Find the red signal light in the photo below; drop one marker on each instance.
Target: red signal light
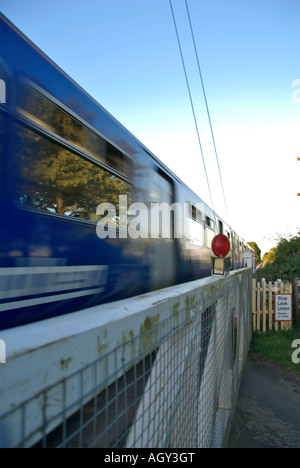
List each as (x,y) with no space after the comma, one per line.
(221,245)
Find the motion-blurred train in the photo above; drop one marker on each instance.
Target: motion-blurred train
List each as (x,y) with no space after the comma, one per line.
(61,156)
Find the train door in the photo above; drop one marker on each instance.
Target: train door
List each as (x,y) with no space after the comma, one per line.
(220,227)
(234,250)
(229,234)
(162,231)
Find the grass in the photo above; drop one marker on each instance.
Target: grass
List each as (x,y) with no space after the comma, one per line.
(276,346)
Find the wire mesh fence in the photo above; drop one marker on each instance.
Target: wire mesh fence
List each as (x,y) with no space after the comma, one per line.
(169,382)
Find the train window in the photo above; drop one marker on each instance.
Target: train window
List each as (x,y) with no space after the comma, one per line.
(160,188)
(210,223)
(41,110)
(54,179)
(195,214)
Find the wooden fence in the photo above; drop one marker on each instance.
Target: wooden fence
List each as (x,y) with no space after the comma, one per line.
(263,304)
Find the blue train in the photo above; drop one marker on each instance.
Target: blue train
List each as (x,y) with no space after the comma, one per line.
(62,156)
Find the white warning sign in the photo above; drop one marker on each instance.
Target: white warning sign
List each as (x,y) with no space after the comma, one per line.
(283,308)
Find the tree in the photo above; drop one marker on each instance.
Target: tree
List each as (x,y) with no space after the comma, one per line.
(284,259)
(270,256)
(257,251)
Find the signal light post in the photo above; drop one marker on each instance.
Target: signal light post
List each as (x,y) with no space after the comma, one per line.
(221,247)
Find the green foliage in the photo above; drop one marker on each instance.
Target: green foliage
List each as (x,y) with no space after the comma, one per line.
(284,259)
(276,346)
(257,251)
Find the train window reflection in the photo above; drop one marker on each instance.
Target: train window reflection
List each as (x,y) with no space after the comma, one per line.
(41,110)
(56,180)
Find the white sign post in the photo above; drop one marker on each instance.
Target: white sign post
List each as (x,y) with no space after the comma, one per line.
(283,308)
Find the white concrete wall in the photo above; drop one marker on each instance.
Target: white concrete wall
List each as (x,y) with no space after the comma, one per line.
(42,357)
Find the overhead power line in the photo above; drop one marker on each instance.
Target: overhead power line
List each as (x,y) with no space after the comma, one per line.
(206,104)
(191,101)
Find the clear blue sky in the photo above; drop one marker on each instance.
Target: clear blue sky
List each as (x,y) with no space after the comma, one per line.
(125,54)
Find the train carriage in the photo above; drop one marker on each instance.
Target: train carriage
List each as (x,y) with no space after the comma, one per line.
(66,165)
